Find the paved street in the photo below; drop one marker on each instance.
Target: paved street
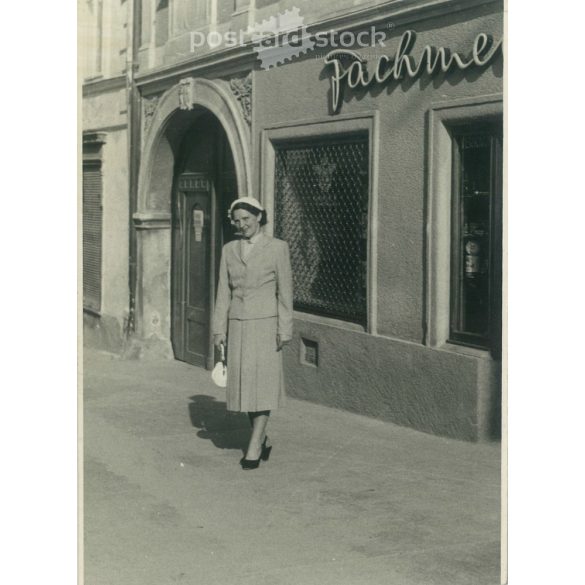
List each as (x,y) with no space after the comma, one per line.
(344,499)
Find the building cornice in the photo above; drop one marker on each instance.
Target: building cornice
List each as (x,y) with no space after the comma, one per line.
(398,12)
(226,62)
(94,137)
(240,58)
(103,85)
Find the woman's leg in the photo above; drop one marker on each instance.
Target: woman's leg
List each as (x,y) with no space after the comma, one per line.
(259,420)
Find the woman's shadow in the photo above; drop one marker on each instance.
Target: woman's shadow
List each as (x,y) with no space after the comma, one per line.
(226,430)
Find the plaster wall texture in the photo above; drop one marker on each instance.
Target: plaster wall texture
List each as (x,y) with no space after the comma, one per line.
(439,390)
(427,389)
(115,37)
(103,332)
(158,197)
(106,112)
(102,52)
(154,288)
(115,226)
(311,11)
(187,19)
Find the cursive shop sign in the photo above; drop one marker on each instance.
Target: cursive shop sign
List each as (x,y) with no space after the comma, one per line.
(350,68)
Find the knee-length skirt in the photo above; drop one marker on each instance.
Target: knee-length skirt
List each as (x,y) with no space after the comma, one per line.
(255,379)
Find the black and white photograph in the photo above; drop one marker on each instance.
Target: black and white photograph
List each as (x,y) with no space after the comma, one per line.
(296,295)
(292,284)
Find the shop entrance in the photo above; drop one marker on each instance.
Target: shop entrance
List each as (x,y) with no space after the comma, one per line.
(204,187)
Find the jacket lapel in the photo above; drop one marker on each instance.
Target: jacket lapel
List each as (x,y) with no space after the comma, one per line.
(241,245)
(260,243)
(237,252)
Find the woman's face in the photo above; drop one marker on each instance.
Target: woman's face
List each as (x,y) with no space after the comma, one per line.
(247,223)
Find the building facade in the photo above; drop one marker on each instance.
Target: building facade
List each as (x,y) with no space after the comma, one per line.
(372,134)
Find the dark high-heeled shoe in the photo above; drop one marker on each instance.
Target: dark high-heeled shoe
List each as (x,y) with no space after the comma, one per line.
(250,463)
(265,453)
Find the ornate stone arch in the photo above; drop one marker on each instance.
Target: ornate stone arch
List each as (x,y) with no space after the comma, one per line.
(191,93)
(167,119)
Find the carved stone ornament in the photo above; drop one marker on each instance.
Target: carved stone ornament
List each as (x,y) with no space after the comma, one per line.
(242,89)
(186,93)
(149,109)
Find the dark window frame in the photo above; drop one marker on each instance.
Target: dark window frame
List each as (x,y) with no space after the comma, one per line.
(491,338)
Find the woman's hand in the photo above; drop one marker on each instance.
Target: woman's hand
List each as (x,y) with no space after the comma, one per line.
(219,339)
(281,342)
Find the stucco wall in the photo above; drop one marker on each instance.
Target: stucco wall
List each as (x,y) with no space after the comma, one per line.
(439,390)
(106,113)
(154,292)
(428,389)
(188,19)
(105,109)
(115,226)
(300,91)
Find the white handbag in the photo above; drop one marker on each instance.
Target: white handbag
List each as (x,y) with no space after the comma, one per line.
(219,373)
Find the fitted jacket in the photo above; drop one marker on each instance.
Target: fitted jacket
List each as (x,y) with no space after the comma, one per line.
(255,288)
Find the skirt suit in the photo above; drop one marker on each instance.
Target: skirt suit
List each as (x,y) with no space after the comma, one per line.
(253,306)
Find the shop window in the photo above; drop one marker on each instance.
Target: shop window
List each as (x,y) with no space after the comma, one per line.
(321,210)
(162,22)
(476,237)
(92,224)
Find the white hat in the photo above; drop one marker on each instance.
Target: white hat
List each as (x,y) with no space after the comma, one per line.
(250,201)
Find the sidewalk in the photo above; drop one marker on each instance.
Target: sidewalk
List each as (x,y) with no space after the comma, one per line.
(344,499)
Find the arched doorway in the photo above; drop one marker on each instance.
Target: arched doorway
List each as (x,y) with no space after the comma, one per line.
(199,133)
(204,186)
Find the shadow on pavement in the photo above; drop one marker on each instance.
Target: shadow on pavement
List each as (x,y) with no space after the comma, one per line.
(226,430)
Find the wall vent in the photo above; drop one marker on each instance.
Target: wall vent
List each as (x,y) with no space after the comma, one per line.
(309,352)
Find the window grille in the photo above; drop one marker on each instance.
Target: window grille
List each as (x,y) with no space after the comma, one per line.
(92,236)
(321,210)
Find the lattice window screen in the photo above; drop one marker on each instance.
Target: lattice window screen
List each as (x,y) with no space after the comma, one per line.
(321,210)
(92,236)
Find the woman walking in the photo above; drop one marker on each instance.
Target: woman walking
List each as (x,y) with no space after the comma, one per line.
(253,311)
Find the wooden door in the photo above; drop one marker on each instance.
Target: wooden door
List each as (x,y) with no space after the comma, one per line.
(193,258)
